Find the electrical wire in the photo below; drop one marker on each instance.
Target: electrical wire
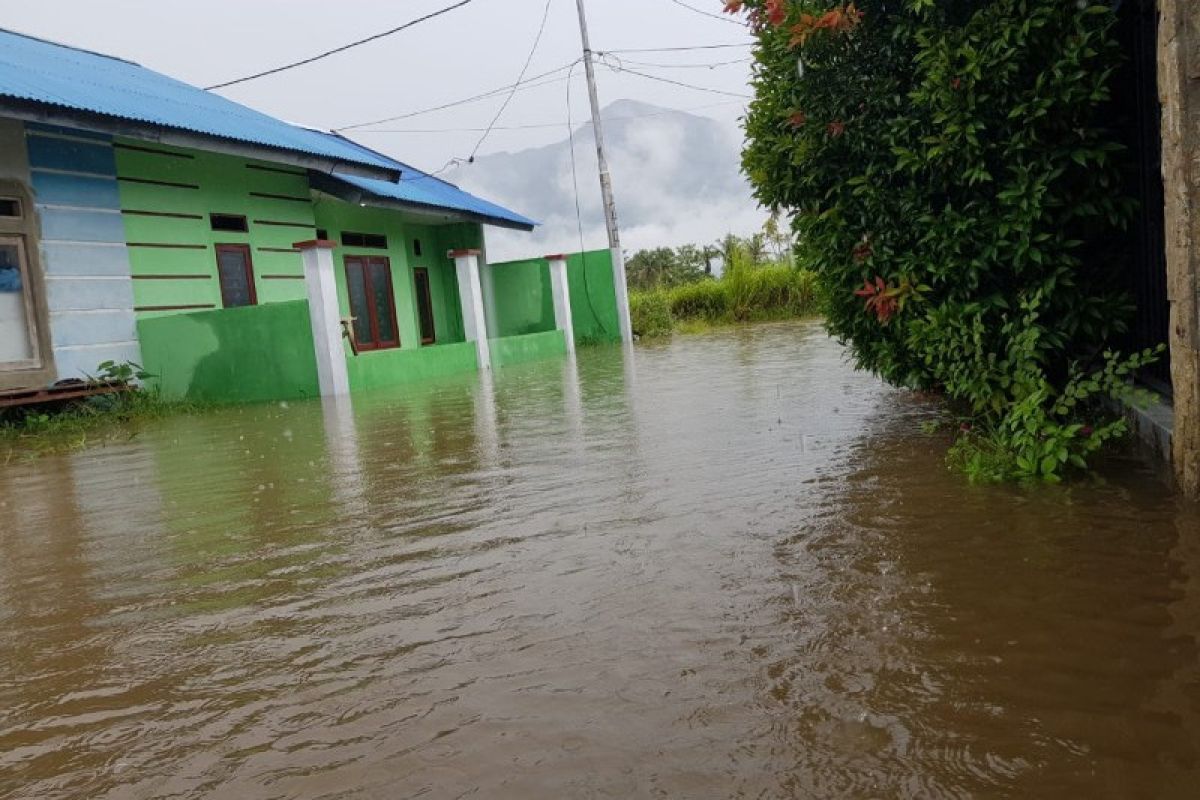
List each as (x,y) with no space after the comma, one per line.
(619,68)
(702,12)
(528,83)
(547,125)
(710,65)
(525,68)
(341,49)
(678,49)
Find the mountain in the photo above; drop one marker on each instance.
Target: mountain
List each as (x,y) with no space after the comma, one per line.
(675,175)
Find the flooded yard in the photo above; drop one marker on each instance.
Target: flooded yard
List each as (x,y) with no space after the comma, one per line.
(730,566)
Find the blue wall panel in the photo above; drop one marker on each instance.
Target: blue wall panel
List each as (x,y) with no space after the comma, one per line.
(82,226)
(75,190)
(52,153)
(81,362)
(89,294)
(72,258)
(88,285)
(74,328)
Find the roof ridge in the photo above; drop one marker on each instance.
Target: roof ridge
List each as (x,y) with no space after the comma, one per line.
(65,46)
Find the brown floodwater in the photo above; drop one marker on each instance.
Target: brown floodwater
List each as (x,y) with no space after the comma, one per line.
(729,566)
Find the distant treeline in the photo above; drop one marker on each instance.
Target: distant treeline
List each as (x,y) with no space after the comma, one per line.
(670,288)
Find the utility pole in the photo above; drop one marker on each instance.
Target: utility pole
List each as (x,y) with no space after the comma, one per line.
(610,206)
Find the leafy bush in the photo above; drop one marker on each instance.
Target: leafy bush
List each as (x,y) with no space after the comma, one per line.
(703,300)
(952,181)
(758,293)
(650,314)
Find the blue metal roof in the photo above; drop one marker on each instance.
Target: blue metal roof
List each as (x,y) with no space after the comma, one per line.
(47,73)
(422,189)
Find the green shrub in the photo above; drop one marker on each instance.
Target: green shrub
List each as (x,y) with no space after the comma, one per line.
(758,293)
(650,314)
(953,181)
(701,300)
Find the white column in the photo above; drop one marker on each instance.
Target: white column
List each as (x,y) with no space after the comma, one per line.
(470,292)
(621,287)
(561,292)
(325,317)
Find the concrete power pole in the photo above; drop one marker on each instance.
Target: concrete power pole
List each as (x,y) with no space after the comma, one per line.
(610,206)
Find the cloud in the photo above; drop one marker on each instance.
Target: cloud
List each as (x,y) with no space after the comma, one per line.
(676,179)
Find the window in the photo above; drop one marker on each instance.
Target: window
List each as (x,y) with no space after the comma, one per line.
(374,241)
(424,305)
(17,339)
(228,222)
(372,303)
(236,274)
(417,248)
(10,207)
(322,234)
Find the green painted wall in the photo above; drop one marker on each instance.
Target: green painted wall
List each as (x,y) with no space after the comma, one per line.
(235,355)
(530,347)
(173,208)
(523,303)
(384,368)
(335,217)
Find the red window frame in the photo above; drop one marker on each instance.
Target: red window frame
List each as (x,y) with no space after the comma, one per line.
(424,303)
(242,248)
(363,263)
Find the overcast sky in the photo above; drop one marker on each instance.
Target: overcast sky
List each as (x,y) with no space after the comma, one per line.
(473,49)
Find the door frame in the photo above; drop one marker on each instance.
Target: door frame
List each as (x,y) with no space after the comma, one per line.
(31,316)
(424,271)
(364,262)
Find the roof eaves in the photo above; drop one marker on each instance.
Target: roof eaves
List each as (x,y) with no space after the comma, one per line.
(68,116)
(357,195)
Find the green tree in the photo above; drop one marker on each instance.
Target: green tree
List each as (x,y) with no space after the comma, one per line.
(950,175)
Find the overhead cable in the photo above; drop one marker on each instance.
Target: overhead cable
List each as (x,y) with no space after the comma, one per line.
(341,49)
(529,58)
(704,13)
(618,68)
(547,125)
(677,49)
(527,83)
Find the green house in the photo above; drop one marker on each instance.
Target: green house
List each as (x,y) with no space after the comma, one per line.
(241,258)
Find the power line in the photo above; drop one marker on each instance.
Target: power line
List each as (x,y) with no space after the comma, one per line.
(546,125)
(621,69)
(529,58)
(528,83)
(702,12)
(341,49)
(676,49)
(711,65)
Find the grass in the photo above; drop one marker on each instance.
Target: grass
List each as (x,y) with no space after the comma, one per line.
(745,294)
(35,431)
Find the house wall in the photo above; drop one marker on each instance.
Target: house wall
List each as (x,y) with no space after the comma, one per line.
(528,347)
(1179,92)
(218,356)
(336,217)
(167,195)
(87,290)
(522,302)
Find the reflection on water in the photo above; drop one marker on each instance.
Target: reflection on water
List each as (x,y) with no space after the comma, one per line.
(729,567)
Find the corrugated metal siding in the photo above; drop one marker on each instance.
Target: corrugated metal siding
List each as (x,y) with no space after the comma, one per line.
(45,72)
(86,264)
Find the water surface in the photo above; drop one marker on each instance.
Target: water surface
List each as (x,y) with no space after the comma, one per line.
(730,566)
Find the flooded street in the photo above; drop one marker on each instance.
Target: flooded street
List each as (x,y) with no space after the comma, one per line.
(732,567)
